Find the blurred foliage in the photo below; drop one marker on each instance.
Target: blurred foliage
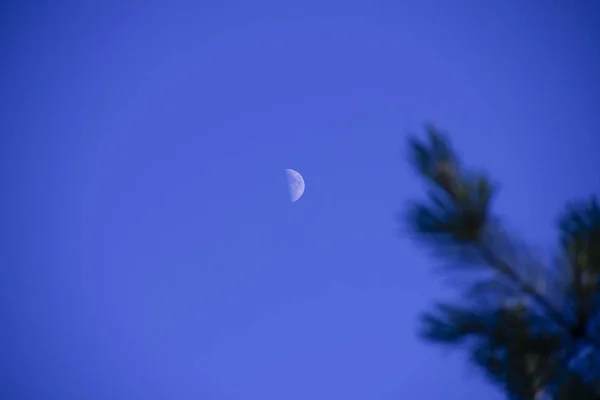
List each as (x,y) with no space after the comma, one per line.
(532,327)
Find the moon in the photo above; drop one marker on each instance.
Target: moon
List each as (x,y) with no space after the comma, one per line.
(295,184)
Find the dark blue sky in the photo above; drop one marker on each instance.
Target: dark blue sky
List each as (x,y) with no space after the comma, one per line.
(152,252)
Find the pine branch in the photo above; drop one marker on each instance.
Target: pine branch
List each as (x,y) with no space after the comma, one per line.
(490,258)
(513,344)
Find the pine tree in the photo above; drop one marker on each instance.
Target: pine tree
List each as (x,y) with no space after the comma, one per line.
(532,327)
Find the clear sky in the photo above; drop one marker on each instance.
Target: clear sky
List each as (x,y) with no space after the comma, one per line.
(152,251)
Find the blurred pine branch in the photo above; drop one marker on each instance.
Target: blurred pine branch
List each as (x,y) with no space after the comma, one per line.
(532,328)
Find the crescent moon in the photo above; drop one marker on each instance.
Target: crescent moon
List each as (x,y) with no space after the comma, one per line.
(295,184)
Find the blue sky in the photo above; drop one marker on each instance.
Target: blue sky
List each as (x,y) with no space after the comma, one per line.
(152,251)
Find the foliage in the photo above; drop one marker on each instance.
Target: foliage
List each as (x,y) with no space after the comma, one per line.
(532,328)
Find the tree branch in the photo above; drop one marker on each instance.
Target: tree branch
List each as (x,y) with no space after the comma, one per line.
(501,266)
